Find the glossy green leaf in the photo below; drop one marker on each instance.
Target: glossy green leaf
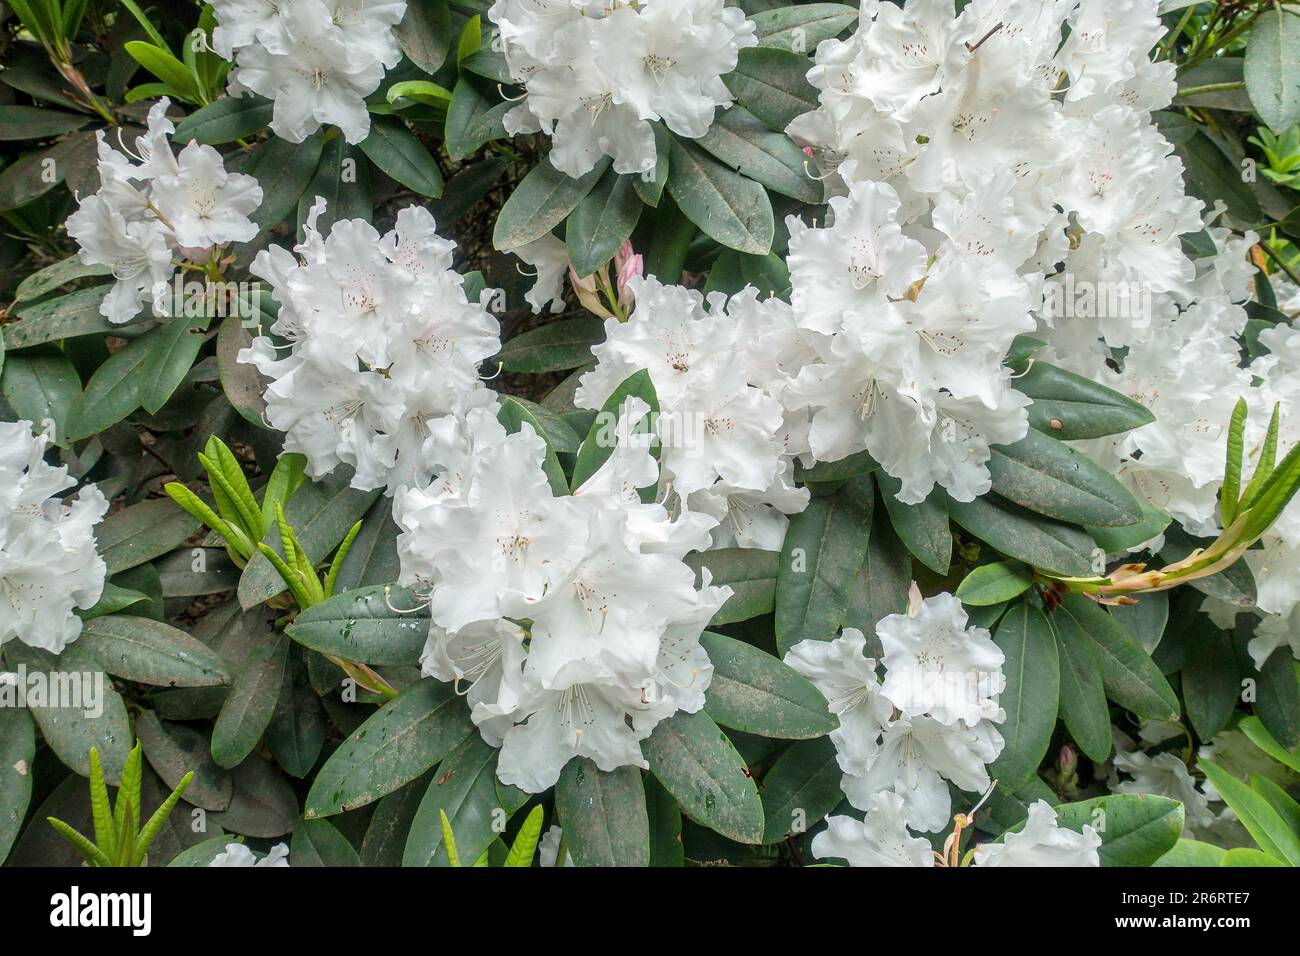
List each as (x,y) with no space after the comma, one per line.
(755,692)
(699,766)
(1032,694)
(395,745)
(824,550)
(603,814)
(729,208)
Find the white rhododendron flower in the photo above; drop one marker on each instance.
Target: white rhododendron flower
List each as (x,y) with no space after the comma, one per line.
(316,59)
(383,350)
(881,839)
(48,563)
(596,76)
(939,725)
(980,204)
(1042,842)
(1165,775)
(570,621)
(236,854)
(937,665)
(728,444)
(162,206)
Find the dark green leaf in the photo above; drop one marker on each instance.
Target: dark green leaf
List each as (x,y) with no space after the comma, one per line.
(602,222)
(399,742)
(727,207)
(755,692)
(365,625)
(751,575)
(1032,694)
(250,704)
(1050,478)
(553,347)
(699,766)
(800,788)
(397,153)
(603,815)
(540,202)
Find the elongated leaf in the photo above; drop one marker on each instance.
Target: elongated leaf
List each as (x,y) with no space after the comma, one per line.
(1272,67)
(462,788)
(1050,478)
(603,814)
(799,28)
(742,141)
(17,751)
(283,170)
(553,347)
(540,202)
(1256,814)
(112,392)
(883,582)
(1069,406)
(33,122)
(80,709)
(700,767)
(755,692)
(1032,694)
(824,550)
(1209,680)
(171,355)
(1039,542)
(363,626)
(923,528)
(402,157)
(142,532)
(426,33)
(173,750)
(319,843)
(800,789)
(250,704)
(727,207)
(772,84)
(226,120)
(64,317)
(749,572)
(1083,696)
(42,386)
(472,118)
(399,742)
(1131,678)
(602,222)
(151,652)
(1136,829)
(650,186)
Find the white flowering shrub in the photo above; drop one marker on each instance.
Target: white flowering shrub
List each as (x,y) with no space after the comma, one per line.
(671,432)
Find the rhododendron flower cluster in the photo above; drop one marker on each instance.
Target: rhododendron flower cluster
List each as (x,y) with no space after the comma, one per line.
(381,353)
(48,563)
(719,371)
(317,59)
(932,720)
(155,208)
(597,75)
(570,621)
(1003,175)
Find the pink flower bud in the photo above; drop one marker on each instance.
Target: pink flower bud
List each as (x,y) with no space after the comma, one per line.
(628,264)
(1067,761)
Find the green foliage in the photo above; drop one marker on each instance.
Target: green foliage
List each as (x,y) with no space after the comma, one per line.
(120,839)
